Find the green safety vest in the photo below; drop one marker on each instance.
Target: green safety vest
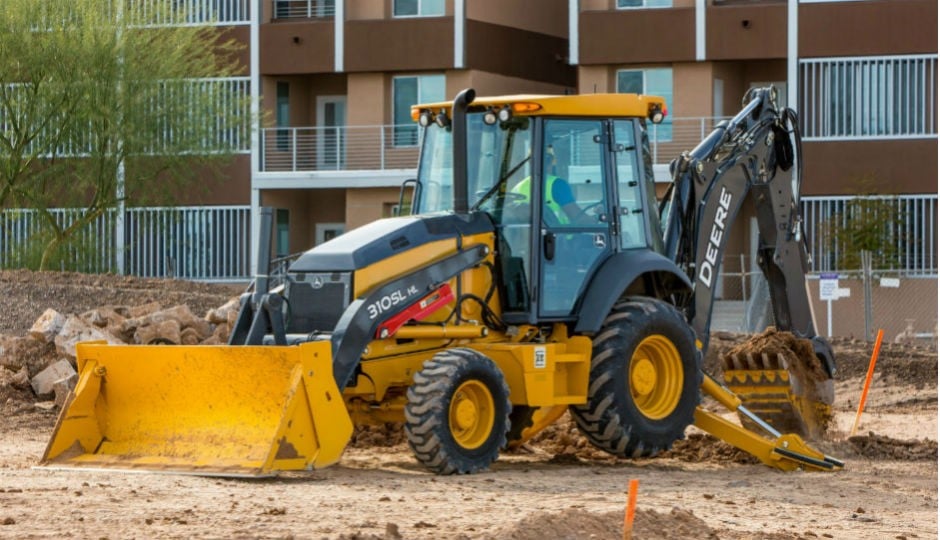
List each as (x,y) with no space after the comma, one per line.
(524,188)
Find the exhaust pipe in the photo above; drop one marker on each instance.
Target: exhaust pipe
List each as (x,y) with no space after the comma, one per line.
(459,127)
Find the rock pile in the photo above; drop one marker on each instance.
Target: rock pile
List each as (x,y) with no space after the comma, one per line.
(42,363)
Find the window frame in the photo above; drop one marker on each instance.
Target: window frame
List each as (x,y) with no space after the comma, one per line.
(661,135)
(644,4)
(398,129)
(420,4)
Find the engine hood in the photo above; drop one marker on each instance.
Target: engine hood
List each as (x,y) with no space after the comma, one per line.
(384,238)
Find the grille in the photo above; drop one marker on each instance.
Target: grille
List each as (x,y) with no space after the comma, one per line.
(316,301)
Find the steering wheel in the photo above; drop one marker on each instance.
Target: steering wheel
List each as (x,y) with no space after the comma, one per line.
(584,213)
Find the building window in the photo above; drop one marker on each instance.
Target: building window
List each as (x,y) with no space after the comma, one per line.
(653,82)
(627,4)
(282,112)
(282,247)
(304,9)
(871,97)
(418,8)
(408,91)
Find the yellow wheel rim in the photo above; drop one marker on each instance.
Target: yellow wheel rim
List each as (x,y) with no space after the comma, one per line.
(656,377)
(472,414)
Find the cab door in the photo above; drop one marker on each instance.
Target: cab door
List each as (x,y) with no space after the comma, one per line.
(575,214)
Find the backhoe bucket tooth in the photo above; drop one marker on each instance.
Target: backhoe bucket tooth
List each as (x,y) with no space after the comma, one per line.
(767,386)
(204,410)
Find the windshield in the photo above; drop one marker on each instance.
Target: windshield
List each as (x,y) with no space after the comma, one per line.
(494,152)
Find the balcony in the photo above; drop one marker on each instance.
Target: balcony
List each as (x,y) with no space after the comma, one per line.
(347,150)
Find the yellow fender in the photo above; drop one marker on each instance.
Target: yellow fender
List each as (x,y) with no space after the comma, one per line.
(206,410)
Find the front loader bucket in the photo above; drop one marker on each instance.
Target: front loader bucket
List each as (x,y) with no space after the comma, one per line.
(206,410)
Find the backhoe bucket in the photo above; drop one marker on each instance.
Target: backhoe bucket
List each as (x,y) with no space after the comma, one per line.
(205,410)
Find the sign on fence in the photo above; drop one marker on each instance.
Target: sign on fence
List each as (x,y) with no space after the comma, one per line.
(829,287)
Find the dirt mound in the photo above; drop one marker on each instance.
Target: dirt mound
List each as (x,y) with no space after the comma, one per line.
(702,448)
(812,387)
(383,436)
(879,447)
(566,445)
(27,294)
(578,524)
(904,363)
(798,352)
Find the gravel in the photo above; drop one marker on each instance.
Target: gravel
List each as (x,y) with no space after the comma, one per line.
(26,294)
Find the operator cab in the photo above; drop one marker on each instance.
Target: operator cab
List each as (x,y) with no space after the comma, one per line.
(565,187)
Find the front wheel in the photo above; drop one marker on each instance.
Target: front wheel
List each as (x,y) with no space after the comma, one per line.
(645,380)
(457,414)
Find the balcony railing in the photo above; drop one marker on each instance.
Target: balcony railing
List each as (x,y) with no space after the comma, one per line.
(189,12)
(205,243)
(391,147)
(349,148)
(303,9)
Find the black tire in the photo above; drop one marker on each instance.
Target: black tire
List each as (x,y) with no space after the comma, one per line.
(641,419)
(457,385)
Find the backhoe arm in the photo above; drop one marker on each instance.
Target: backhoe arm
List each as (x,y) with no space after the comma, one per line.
(750,155)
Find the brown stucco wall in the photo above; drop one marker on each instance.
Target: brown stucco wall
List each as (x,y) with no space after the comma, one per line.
(543,16)
(307,208)
(366,205)
(304,91)
(289,48)
(401,44)
(746,31)
(518,53)
(631,36)
(240,35)
(893,166)
(494,84)
(230,184)
(867,28)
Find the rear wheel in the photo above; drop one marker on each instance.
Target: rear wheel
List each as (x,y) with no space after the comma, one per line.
(457,414)
(645,380)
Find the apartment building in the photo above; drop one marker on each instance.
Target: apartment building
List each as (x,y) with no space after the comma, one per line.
(338,79)
(862,75)
(334,81)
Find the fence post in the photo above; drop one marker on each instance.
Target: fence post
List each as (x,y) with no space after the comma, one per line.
(866,285)
(382,148)
(293,153)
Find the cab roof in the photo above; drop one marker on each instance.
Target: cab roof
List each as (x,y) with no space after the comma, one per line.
(636,105)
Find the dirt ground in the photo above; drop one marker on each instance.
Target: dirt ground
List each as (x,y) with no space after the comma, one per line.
(555,487)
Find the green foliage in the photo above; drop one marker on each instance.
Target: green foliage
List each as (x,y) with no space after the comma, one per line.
(80,252)
(869,222)
(102,102)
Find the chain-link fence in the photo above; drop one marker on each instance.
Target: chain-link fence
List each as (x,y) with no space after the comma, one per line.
(854,303)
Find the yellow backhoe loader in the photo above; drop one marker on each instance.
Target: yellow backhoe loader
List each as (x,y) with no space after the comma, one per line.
(535,273)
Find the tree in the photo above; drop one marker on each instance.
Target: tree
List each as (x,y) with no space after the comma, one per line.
(867,222)
(110,101)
